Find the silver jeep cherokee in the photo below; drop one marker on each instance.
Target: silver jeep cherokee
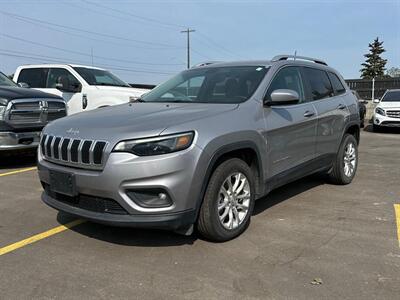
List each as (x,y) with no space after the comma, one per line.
(199,149)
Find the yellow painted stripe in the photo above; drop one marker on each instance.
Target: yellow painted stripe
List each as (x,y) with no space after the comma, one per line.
(39,236)
(397,213)
(17,171)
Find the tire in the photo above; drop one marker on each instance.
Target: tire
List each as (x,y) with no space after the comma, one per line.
(339,174)
(376,128)
(211,223)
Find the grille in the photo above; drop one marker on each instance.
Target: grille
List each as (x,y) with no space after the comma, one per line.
(25,112)
(393,113)
(86,202)
(74,152)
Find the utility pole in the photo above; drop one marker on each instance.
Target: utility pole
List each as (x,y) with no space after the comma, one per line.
(188,31)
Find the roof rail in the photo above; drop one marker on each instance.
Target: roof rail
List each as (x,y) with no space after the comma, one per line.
(286,57)
(205,63)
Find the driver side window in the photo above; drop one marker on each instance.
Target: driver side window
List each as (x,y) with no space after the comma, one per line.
(287,78)
(59,75)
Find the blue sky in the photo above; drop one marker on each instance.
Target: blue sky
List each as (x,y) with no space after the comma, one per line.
(141,40)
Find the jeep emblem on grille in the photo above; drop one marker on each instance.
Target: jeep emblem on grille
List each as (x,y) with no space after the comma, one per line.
(73,131)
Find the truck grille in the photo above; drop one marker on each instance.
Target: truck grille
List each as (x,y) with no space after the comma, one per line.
(22,113)
(393,113)
(73,152)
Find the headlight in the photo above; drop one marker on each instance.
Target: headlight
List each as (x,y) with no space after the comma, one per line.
(156,146)
(3,105)
(380,111)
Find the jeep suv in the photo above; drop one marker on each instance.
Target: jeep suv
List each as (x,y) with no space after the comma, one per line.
(199,149)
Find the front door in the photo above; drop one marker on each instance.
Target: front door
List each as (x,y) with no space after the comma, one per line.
(290,129)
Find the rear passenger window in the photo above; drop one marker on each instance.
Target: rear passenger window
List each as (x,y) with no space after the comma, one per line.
(287,78)
(35,77)
(336,83)
(319,85)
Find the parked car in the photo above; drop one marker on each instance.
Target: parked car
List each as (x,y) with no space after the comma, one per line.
(387,111)
(82,87)
(362,108)
(23,114)
(202,147)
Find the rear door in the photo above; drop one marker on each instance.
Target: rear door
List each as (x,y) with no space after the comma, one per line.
(331,110)
(290,128)
(34,77)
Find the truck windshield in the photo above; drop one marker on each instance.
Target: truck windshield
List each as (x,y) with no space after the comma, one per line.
(5,81)
(209,85)
(393,96)
(100,77)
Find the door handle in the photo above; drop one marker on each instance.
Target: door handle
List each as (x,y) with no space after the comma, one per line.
(341,106)
(308,114)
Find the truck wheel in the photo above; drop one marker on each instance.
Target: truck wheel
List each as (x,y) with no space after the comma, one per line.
(228,202)
(345,164)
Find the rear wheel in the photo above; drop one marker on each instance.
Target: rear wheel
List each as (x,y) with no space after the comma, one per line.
(345,165)
(228,202)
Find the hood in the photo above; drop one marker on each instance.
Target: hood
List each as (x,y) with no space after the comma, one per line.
(124,90)
(389,104)
(11,93)
(132,120)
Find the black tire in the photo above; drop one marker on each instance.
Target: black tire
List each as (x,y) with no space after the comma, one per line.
(376,128)
(209,224)
(337,174)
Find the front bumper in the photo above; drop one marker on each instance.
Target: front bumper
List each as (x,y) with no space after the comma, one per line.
(386,121)
(160,221)
(175,173)
(18,141)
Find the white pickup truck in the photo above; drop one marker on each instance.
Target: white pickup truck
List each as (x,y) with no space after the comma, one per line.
(82,87)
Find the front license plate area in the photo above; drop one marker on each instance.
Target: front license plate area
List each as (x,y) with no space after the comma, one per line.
(63,183)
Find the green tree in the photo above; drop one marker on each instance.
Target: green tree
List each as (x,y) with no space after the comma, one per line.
(374,66)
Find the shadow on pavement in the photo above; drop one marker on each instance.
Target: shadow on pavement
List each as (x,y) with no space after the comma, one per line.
(17,160)
(395,130)
(160,238)
(286,192)
(126,236)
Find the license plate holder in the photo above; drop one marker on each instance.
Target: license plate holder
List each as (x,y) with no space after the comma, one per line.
(63,183)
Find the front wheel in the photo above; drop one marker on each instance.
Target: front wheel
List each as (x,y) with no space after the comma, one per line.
(228,202)
(346,162)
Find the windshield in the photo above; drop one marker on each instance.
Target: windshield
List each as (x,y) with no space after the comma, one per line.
(209,85)
(100,77)
(5,81)
(393,96)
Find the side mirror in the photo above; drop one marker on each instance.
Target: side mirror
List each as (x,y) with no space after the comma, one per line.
(375,101)
(283,97)
(76,88)
(23,85)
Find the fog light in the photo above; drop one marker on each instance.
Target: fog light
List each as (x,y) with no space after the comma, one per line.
(150,198)
(376,121)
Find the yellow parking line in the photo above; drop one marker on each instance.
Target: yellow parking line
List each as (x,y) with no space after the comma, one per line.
(39,236)
(17,171)
(397,213)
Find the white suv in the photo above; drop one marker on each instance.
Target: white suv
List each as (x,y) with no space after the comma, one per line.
(82,87)
(387,112)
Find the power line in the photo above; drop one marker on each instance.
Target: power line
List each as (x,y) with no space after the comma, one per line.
(23,18)
(20,54)
(86,54)
(135,16)
(217,45)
